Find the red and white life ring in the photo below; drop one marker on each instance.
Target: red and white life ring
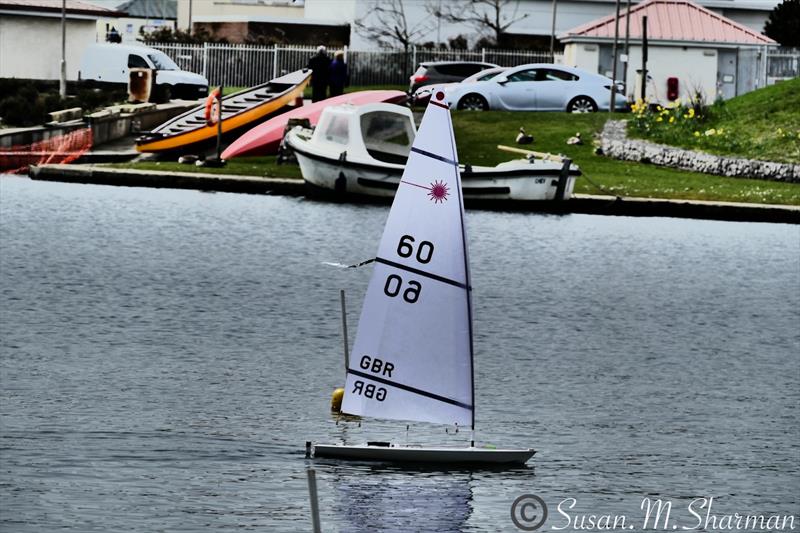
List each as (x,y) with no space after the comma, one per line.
(213,107)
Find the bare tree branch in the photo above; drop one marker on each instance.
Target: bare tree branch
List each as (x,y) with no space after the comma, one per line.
(386,23)
(486,16)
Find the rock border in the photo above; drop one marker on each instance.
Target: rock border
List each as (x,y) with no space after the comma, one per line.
(614,143)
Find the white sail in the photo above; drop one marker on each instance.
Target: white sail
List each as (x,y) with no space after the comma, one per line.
(412,358)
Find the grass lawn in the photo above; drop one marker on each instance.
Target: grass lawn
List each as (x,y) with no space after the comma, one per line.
(478,134)
(762,124)
(246,166)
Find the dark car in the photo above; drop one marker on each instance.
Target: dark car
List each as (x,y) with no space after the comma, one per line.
(444,72)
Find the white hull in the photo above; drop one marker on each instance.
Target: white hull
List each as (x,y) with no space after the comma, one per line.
(514,180)
(410,454)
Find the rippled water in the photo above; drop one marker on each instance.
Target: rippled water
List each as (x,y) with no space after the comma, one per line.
(166,354)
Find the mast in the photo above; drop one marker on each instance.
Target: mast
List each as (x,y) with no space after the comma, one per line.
(469,294)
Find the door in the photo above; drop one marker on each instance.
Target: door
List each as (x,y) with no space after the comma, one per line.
(726,73)
(520,91)
(552,87)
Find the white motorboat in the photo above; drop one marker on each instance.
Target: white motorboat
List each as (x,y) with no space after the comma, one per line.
(413,354)
(363,150)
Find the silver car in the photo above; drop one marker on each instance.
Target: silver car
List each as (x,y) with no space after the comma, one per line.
(536,87)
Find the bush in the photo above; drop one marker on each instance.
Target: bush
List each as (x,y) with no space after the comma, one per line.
(18,110)
(28,102)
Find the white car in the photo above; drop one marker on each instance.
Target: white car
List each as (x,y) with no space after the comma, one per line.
(536,87)
(423,94)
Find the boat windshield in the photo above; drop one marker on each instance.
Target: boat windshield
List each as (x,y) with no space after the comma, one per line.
(336,130)
(162,61)
(387,136)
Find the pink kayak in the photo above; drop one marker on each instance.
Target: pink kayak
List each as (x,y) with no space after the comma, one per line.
(265,138)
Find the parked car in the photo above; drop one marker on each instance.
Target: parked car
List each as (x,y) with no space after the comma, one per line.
(536,87)
(110,64)
(423,94)
(432,72)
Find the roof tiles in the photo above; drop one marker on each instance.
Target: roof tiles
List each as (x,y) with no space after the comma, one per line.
(673,20)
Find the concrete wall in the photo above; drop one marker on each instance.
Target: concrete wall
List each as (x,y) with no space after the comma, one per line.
(228,8)
(30,47)
(695,68)
(582,55)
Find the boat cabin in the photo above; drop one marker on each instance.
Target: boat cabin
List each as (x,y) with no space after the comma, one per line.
(379,131)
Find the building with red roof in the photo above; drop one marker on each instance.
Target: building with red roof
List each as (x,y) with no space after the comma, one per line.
(691,50)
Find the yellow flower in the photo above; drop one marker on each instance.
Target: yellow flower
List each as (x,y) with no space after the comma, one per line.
(659,108)
(671,120)
(780,131)
(712,131)
(691,112)
(659,119)
(685,116)
(697,134)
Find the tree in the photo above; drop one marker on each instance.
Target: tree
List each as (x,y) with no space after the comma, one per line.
(783,23)
(387,25)
(490,18)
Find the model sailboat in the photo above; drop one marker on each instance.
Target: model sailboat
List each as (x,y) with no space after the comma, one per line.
(413,355)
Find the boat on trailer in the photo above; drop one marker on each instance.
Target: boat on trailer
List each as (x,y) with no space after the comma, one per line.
(363,150)
(413,354)
(242,109)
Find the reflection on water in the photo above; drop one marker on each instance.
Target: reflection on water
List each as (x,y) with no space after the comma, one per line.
(164,356)
(396,500)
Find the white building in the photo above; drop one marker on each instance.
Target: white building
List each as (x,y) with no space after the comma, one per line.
(30,37)
(535,16)
(691,50)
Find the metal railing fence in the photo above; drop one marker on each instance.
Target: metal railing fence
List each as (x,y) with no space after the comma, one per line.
(783,63)
(244,65)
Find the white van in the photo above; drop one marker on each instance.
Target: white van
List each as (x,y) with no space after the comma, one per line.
(103,64)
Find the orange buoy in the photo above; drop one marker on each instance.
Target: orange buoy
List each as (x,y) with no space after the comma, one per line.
(213,107)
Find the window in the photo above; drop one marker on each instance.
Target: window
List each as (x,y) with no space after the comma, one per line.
(523,75)
(549,74)
(162,61)
(336,130)
(137,61)
(387,136)
(488,76)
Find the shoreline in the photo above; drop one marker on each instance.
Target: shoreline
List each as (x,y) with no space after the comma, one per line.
(578,204)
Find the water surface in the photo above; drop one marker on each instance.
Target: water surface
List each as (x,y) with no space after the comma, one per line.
(164,355)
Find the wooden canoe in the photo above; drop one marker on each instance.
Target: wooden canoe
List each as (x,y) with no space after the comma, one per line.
(265,138)
(239,110)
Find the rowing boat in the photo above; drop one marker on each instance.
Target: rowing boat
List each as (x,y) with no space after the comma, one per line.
(239,110)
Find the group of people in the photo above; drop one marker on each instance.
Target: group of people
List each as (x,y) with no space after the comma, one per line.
(327,73)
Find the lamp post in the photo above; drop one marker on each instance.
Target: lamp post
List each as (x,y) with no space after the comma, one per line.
(62,84)
(614,62)
(553,34)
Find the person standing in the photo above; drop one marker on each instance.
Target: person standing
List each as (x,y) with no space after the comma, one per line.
(319,65)
(338,74)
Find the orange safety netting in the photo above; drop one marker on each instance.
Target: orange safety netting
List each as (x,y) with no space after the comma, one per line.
(60,149)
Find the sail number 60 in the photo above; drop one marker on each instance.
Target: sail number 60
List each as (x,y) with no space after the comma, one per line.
(406,249)
(393,285)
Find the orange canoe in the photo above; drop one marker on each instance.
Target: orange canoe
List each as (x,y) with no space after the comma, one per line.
(239,110)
